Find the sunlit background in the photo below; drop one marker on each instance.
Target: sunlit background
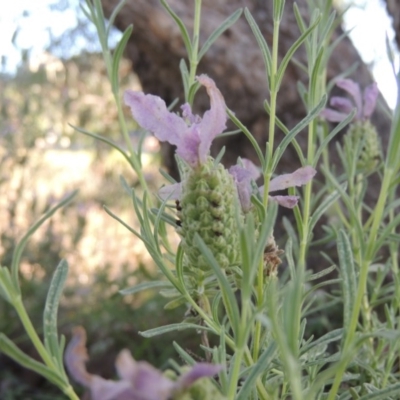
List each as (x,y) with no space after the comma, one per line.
(46,84)
(34,26)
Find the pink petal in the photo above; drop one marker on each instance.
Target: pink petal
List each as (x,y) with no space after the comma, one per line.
(371,93)
(103,389)
(171,192)
(332,115)
(152,114)
(214,120)
(125,364)
(285,201)
(188,148)
(254,171)
(76,356)
(242,178)
(353,89)
(149,383)
(198,371)
(100,389)
(188,115)
(297,178)
(342,104)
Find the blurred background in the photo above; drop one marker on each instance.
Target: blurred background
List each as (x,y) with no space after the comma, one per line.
(52,75)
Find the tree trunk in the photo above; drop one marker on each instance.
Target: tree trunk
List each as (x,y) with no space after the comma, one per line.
(393,7)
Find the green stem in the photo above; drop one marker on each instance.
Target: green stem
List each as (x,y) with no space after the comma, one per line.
(267,174)
(263,394)
(133,155)
(273,91)
(194,60)
(69,391)
(234,376)
(362,283)
(30,330)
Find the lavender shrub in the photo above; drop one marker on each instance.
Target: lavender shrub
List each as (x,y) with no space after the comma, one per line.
(227,266)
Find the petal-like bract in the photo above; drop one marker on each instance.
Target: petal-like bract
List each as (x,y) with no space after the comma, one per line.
(138,379)
(191,134)
(371,93)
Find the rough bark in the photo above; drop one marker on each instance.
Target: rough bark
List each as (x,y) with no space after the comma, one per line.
(393,7)
(234,62)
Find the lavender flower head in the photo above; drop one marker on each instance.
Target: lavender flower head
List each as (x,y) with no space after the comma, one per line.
(362,139)
(138,379)
(207,193)
(365,103)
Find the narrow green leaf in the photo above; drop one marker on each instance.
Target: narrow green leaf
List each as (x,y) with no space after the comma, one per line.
(12,351)
(380,394)
(266,229)
(348,273)
(51,308)
(228,133)
(118,53)
(6,284)
(327,28)
(177,302)
(134,231)
(265,52)
(113,15)
(321,274)
(167,176)
(185,77)
(184,354)
(228,295)
(172,328)
(169,219)
(219,31)
(21,245)
(323,207)
(329,337)
(86,12)
(386,233)
(145,286)
(317,70)
(249,136)
(104,140)
(392,159)
(285,61)
(192,91)
(285,130)
(246,247)
(291,233)
(299,127)
(215,307)
(262,365)
(181,26)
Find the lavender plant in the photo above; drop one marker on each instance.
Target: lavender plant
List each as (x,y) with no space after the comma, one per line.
(228,267)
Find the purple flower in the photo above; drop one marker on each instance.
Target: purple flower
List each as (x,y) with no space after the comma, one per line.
(138,379)
(191,134)
(365,104)
(248,172)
